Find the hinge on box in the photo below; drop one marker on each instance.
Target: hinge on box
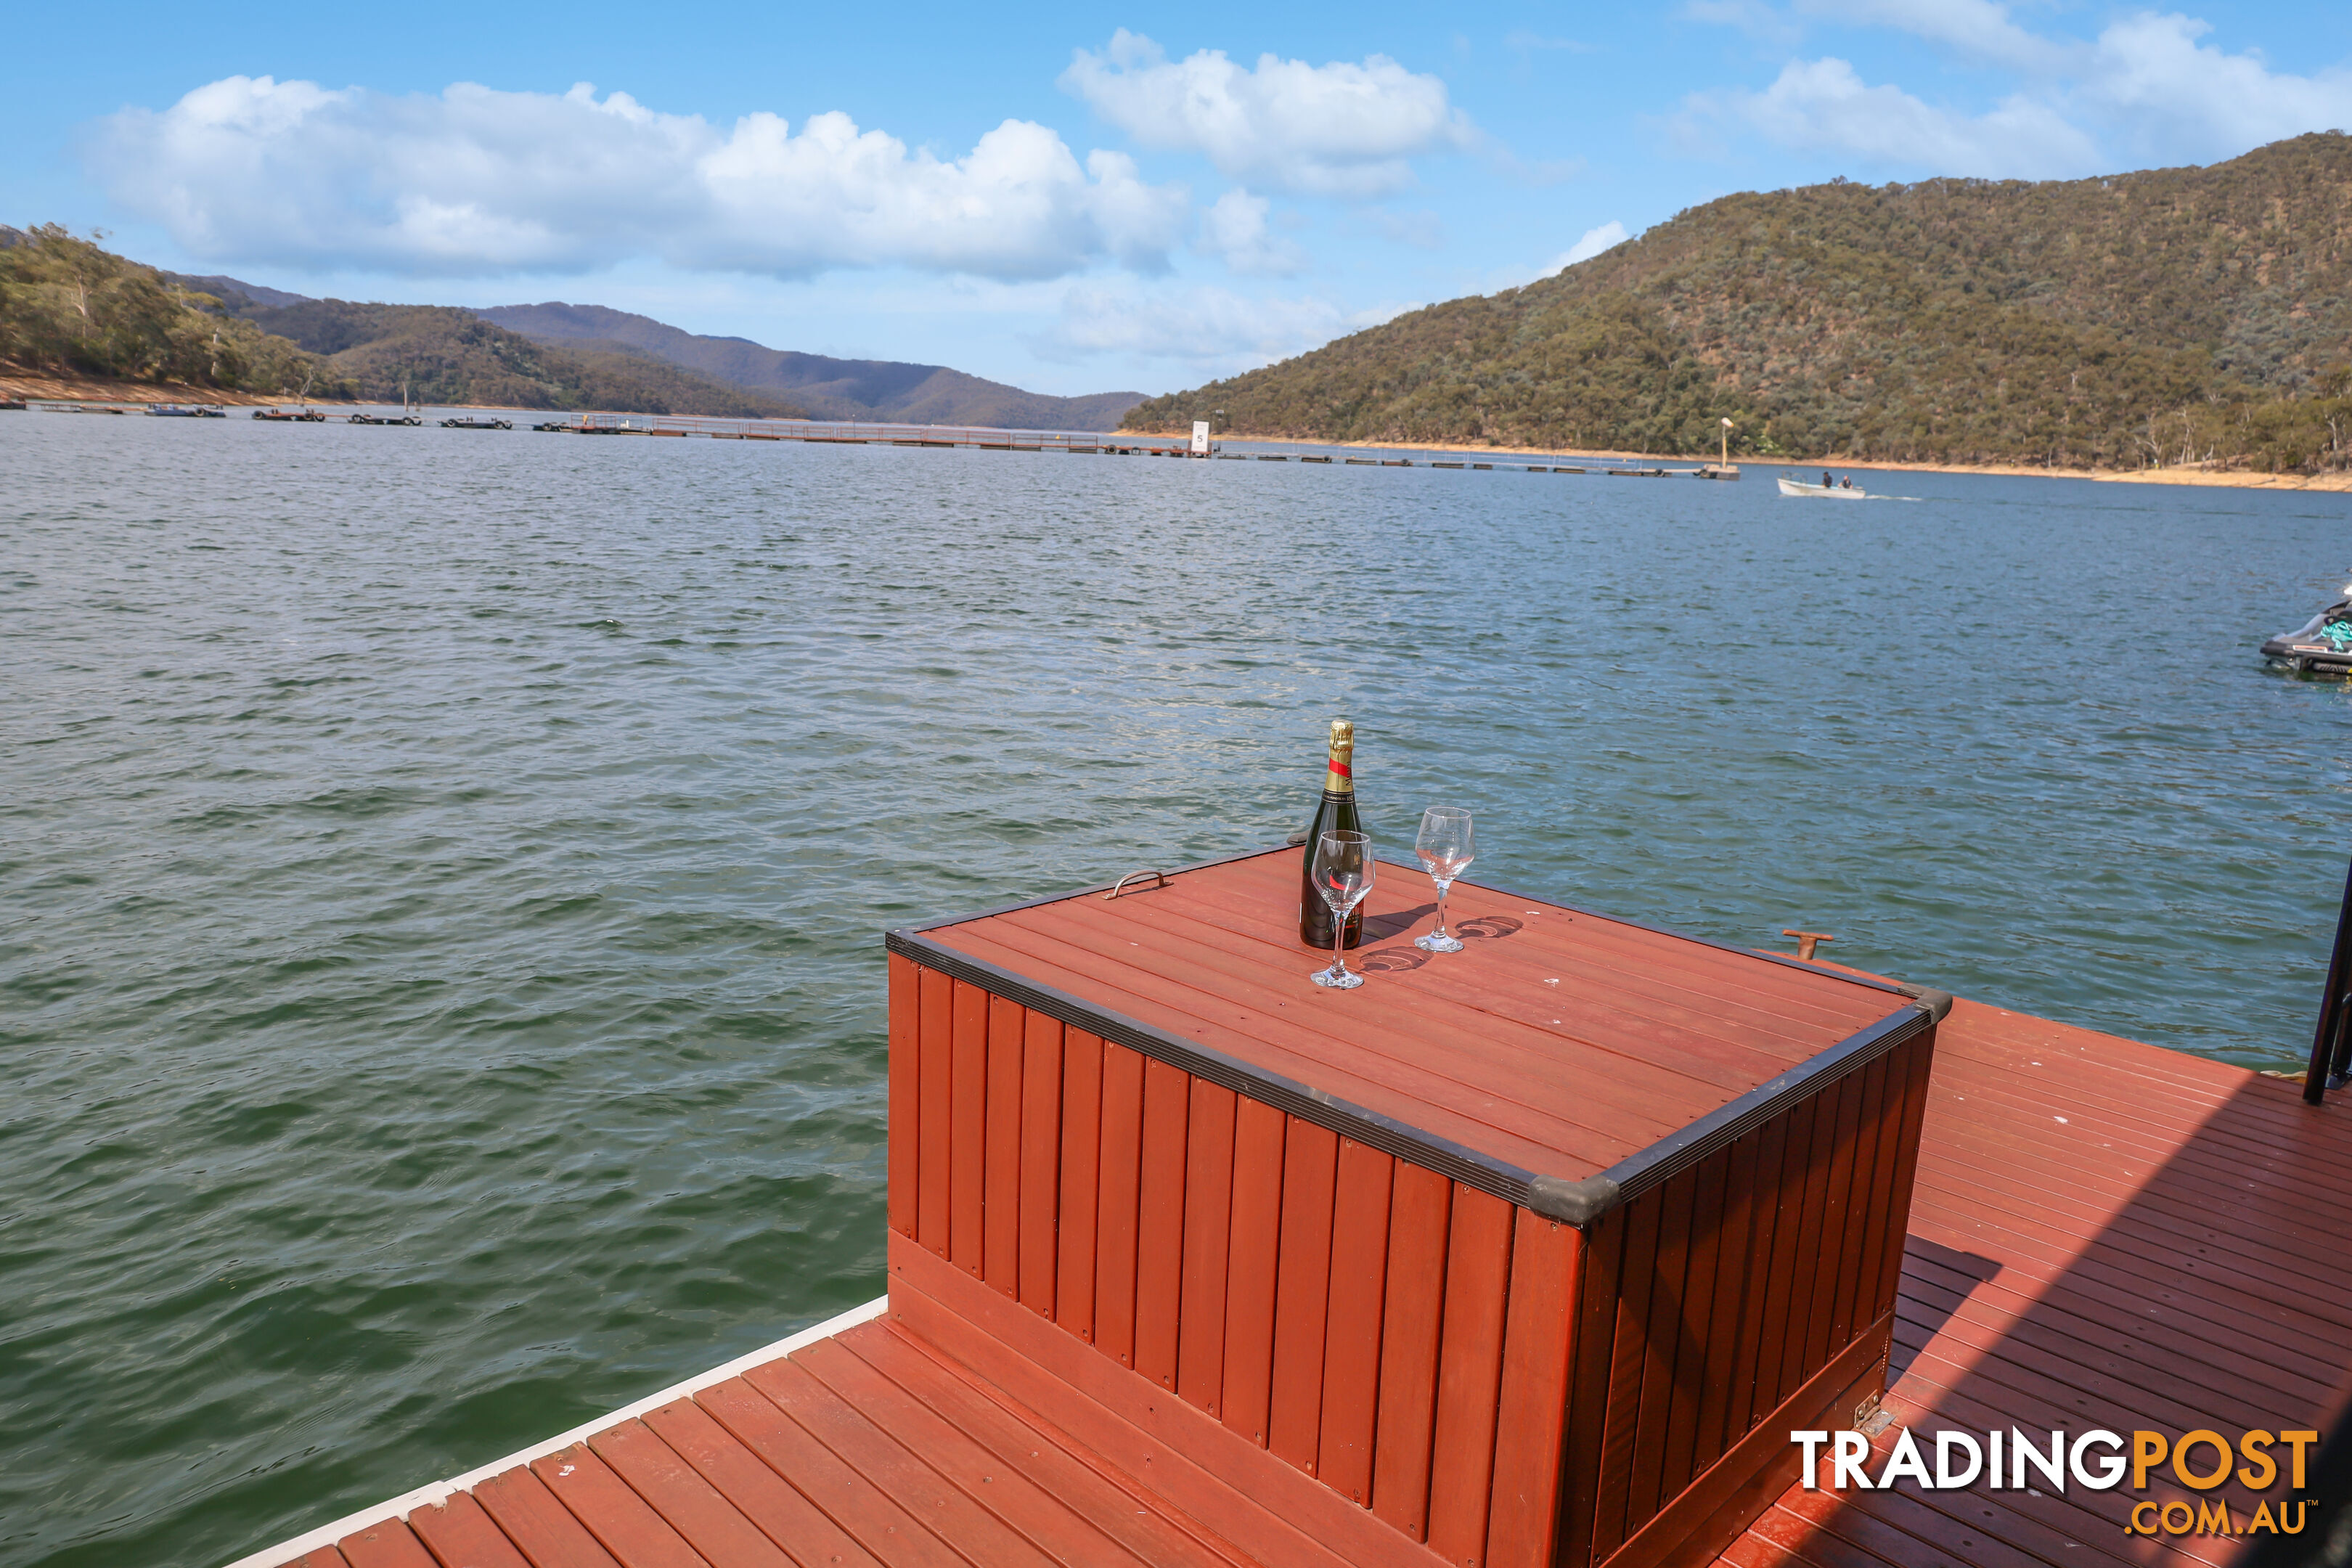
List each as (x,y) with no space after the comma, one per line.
(1866,1416)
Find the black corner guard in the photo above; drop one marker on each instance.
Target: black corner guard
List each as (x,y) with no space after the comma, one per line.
(1574,1203)
(1935,1003)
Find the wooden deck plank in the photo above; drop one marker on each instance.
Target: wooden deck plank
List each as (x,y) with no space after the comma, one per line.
(621,1520)
(1121,1170)
(905,1006)
(391,1544)
(459,1532)
(1531,1422)
(936,1027)
(540,1526)
(968,1127)
(1411,1336)
(1302,1291)
(1253,1261)
(889,1469)
(318,1557)
(1469,1376)
(1041,1159)
(1352,1345)
(1000,1219)
(1023,1506)
(687,1502)
(870,1516)
(782,1511)
(1074,1263)
(1208,1237)
(1160,1221)
(1083,1481)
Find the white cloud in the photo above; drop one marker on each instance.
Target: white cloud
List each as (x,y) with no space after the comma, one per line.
(478,181)
(2148,82)
(1234,229)
(2180,98)
(1978,28)
(1340,130)
(1210,330)
(1822,106)
(1592,242)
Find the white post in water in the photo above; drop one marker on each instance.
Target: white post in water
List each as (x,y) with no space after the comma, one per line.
(1200,438)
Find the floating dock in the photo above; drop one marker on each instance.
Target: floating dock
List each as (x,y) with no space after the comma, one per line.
(1192,1263)
(974,438)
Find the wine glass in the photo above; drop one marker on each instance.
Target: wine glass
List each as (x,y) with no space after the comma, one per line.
(1343,875)
(1444,847)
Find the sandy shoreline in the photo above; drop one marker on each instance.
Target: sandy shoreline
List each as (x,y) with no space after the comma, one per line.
(2235,479)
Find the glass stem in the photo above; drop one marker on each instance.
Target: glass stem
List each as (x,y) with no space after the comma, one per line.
(1442,887)
(1339,935)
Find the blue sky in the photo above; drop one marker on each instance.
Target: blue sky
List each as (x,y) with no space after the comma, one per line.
(1069,198)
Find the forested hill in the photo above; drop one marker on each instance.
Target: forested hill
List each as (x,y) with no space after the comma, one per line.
(2102,322)
(829,389)
(442,354)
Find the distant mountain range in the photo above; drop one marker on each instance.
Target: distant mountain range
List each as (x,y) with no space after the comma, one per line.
(2170,314)
(592,356)
(829,389)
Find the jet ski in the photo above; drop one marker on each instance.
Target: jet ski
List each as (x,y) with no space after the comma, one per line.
(2321,646)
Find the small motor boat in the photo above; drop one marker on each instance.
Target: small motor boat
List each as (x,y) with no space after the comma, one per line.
(1847,491)
(2321,646)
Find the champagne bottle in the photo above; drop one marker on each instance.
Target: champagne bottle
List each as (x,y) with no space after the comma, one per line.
(1334,813)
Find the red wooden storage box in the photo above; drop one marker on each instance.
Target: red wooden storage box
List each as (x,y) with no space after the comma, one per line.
(1530,1254)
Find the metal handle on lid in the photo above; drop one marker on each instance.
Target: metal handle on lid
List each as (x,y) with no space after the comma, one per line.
(1121,886)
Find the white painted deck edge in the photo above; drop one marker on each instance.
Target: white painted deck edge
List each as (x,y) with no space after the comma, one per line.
(286,1551)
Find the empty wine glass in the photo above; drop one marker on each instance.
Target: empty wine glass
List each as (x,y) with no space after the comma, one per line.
(1343,875)
(1444,847)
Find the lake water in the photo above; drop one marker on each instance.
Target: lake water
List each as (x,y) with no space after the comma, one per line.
(442,875)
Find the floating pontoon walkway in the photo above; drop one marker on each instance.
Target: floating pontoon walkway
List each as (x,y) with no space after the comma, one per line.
(2104,1235)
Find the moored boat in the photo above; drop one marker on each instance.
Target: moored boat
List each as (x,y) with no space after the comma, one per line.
(2321,646)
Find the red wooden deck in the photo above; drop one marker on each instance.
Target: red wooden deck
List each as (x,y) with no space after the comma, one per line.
(2105,1234)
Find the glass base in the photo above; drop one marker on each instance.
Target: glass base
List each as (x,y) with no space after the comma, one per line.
(1337,979)
(1437,941)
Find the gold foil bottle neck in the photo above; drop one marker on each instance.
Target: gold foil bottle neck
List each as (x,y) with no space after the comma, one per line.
(1340,777)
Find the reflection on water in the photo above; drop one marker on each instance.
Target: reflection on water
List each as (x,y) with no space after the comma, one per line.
(443,874)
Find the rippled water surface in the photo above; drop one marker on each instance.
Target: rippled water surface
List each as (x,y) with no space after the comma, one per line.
(441,875)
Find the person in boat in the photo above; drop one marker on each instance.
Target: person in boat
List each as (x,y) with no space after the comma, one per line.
(1825,479)
(1846,483)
